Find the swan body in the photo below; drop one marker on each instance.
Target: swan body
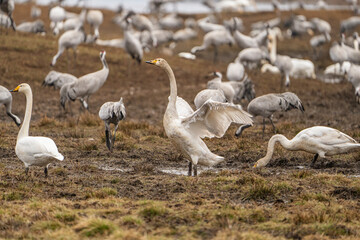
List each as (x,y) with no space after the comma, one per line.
(6,100)
(112,113)
(212,119)
(319,140)
(34,151)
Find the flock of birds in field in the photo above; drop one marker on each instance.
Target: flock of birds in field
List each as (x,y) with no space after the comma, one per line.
(218,105)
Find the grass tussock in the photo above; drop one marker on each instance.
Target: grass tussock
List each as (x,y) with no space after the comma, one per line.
(89,120)
(103,193)
(48,122)
(95,227)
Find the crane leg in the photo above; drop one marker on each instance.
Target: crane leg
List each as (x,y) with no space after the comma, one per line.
(195,170)
(272,124)
(114,136)
(263,127)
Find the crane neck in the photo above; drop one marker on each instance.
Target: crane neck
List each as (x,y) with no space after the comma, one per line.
(24,130)
(103,60)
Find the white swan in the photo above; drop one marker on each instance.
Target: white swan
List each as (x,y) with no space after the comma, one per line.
(212,119)
(322,141)
(34,151)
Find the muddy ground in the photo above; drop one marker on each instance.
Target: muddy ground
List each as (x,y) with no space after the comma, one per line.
(139,191)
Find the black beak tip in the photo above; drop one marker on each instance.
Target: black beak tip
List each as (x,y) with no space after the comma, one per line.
(148,62)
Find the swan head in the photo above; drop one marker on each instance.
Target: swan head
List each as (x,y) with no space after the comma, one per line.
(22,88)
(160,62)
(260,163)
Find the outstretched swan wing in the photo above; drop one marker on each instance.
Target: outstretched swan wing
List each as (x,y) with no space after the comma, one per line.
(183,108)
(212,119)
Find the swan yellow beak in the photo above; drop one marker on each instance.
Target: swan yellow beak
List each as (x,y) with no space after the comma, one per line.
(152,61)
(15,89)
(255,165)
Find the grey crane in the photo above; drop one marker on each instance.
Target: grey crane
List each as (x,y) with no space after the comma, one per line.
(132,44)
(8,6)
(58,79)
(268,104)
(112,113)
(215,39)
(6,100)
(69,39)
(85,85)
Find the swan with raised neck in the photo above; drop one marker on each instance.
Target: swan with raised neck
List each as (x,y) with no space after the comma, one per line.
(37,151)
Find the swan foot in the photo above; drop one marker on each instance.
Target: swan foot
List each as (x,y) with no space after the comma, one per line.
(46,171)
(190,169)
(195,170)
(314,160)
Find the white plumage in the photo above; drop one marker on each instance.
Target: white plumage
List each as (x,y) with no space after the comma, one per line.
(212,119)
(95,19)
(34,151)
(319,140)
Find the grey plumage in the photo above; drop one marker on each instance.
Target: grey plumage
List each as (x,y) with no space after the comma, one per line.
(112,113)
(252,56)
(85,85)
(132,44)
(32,27)
(268,104)
(58,79)
(69,39)
(353,76)
(8,6)
(6,100)
(349,23)
(244,41)
(215,39)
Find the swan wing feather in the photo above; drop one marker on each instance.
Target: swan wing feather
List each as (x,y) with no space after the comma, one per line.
(212,119)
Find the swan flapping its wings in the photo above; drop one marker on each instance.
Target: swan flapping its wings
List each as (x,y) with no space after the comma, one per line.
(186,128)
(212,119)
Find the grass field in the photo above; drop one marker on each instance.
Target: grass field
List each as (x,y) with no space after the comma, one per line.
(133,192)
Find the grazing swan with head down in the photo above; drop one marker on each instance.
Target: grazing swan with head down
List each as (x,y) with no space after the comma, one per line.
(322,141)
(34,151)
(185,127)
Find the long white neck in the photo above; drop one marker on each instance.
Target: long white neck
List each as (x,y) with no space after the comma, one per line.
(286,143)
(173,87)
(24,130)
(273,50)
